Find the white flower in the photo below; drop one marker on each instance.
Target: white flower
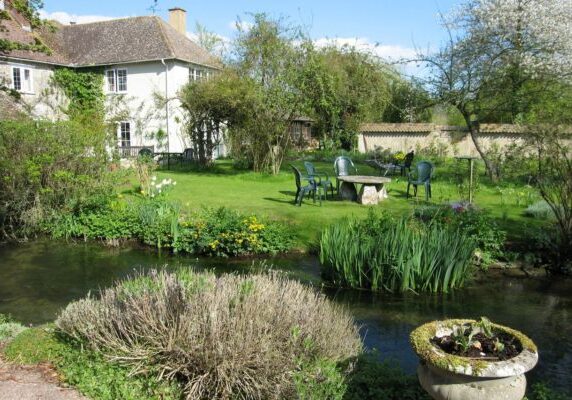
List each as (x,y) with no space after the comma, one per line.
(158,186)
(175,183)
(153,178)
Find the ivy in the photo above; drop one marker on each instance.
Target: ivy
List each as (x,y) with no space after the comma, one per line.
(83,88)
(28,9)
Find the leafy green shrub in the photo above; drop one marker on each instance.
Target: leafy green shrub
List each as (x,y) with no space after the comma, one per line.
(9,328)
(540,210)
(383,253)
(213,232)
(90,373)
(44,167)
(221,337)
(320,379)
(474,223)
(224,232)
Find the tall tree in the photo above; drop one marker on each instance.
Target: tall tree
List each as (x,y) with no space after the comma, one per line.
(500,56)
(266,53)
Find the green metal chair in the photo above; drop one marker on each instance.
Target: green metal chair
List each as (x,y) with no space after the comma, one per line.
(324,179)
(313,187)
(343,166)
(424,174)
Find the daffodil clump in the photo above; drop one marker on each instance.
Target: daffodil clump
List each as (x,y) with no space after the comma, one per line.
(223,232)
(156,189)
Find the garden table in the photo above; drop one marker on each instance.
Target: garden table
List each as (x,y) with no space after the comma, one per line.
(372,189)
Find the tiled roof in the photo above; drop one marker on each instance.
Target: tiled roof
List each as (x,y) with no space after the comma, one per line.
(117,41)
(427,128)
(397,128)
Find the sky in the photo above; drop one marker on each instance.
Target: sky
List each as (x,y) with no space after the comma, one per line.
(392,28)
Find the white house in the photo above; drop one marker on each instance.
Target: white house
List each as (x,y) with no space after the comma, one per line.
(145,61)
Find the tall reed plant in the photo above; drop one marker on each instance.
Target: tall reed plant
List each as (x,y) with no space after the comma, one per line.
(383,253)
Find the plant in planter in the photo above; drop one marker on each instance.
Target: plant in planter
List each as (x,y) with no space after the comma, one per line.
(472,360)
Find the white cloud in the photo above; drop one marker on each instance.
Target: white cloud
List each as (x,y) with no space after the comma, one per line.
(389,53)
(65,18)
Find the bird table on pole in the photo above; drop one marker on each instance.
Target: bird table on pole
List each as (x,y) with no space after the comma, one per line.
(471,160)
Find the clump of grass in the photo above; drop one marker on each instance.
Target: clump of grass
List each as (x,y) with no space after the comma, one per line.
(540,210)
(383,253)
(9,328)
(221,337)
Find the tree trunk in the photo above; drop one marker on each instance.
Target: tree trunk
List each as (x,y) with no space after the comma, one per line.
(474,130)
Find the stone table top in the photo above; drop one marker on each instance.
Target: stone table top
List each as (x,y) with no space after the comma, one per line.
(366,180)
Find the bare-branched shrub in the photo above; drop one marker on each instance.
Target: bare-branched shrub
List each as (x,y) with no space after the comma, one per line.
(222,337)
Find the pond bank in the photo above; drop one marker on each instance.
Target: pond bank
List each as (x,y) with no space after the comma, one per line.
(38,279)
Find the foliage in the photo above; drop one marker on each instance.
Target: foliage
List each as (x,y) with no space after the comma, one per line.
(9,328)
(501,59)
(157,222)
(320,379)
(540,391)
(383,253)
(540,210)
(157,323)
(226,100)
(554,181)
(46,167)
(344,87)
(87,371)
(372,380)
(83,89)
(29,10)
(474,223)
(223,232)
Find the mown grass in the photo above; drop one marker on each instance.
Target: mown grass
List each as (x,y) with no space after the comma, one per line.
(273,196)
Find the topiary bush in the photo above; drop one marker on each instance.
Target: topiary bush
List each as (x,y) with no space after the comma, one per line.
(220,337)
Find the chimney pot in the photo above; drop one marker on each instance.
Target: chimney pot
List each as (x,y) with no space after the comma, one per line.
(178,19)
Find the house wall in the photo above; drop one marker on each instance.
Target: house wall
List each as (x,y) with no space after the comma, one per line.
(41,103)
(146,82)
(448,142)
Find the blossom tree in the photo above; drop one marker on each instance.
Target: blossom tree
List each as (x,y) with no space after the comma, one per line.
(501,57)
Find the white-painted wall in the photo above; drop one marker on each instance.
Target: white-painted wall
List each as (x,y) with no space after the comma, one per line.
(141,105)
(40,102)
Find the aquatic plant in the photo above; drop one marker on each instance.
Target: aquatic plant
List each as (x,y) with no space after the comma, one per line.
(383,253)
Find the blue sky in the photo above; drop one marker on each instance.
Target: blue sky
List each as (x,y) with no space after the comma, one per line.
(395,25)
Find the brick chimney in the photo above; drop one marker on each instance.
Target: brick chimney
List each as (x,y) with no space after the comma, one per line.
(178,19)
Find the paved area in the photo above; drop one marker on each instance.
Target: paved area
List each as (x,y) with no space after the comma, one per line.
(35,382)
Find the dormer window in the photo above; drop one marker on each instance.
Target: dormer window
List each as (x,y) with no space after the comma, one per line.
(116,80)
(22,80)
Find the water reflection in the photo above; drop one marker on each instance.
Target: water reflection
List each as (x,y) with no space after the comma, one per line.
(38,279)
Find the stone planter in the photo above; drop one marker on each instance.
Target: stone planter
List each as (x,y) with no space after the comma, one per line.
(450,377)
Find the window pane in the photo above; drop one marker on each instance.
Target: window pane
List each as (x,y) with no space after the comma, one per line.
(111,80)
(121,80)
(125,134)
(16,79)
(27,83)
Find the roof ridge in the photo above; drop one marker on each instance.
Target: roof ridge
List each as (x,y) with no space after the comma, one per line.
(106,21)
(160,22)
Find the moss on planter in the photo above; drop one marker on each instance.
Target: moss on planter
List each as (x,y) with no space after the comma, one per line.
(429,353)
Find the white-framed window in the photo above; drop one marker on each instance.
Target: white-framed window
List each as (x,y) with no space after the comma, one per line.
(22,80)
(116,80)
(124,134)
(196,74)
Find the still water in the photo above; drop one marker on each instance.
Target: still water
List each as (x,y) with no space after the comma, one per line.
(38,279)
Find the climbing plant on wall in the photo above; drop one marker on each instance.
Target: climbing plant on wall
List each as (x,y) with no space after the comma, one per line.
(84,90)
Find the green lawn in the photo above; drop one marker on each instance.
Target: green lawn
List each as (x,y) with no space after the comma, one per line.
(273,196)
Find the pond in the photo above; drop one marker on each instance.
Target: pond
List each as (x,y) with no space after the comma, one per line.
(37,279)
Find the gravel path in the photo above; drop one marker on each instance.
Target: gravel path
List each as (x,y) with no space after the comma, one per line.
(35,382)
